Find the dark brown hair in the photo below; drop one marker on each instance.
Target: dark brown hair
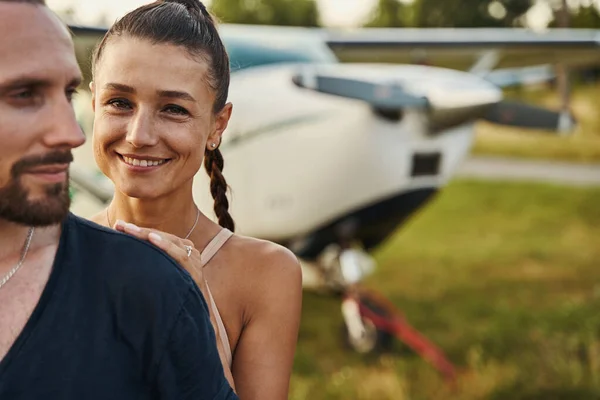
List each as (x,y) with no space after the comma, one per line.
(186,23)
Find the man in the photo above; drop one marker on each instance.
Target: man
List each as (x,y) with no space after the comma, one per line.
(85,312)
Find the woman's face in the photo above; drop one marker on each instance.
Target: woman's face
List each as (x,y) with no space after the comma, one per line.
(153,116)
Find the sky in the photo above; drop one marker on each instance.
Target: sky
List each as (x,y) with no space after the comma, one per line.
(335,13)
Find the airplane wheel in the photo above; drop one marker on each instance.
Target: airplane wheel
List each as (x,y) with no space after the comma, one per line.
(374,339)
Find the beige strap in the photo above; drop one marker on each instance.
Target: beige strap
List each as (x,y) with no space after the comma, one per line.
(221,327)
(214,246)
(207,254)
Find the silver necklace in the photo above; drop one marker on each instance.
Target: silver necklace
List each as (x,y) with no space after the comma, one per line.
(195,223)
(23,255)
(187,236)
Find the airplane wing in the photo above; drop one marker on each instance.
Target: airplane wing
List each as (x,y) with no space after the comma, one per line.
(507,77)
(86,38)
(465,48)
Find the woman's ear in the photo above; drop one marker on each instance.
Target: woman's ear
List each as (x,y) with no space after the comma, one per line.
(93,95)
(221,122)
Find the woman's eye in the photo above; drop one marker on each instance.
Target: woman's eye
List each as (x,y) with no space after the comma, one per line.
(177,110)
(119,104)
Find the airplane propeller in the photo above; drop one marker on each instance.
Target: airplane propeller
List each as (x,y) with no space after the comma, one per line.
(388,99)
(384,96)
(517,114)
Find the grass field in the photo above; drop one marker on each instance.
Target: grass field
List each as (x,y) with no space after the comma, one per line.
(504,276)
(582,146)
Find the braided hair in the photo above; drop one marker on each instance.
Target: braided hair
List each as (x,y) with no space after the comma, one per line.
(185,23)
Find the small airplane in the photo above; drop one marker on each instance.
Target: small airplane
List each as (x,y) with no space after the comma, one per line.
(339,136)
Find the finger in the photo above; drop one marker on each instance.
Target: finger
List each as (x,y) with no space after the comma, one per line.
(169,247)
(143,233)
(179,253)
(119,225)
(157,240)
(171,244)
(131,229)
(186,242)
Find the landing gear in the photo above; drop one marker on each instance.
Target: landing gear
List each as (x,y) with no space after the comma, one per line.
(361,334)
(386,322)
(371,321)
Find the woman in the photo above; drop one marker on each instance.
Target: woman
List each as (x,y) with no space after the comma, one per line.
(160,86)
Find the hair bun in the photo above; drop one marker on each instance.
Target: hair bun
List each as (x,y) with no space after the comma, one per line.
(192,5)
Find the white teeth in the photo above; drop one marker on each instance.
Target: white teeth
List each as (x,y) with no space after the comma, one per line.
(142,163)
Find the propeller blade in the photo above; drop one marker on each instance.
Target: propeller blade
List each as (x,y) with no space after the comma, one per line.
(385,96)
(531,117)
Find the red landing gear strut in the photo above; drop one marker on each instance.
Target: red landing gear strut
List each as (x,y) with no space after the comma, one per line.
(379,321)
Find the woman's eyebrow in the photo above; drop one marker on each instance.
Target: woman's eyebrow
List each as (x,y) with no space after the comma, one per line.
(119,87)
(174,94)
(171,94)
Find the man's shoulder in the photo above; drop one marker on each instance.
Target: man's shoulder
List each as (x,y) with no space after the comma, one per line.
(153,303)
(124,256)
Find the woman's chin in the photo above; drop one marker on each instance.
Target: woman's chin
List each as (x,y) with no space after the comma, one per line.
(140,193)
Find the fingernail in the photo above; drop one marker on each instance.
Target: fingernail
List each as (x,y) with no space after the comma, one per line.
(155,237)
(119,223)
(133,227)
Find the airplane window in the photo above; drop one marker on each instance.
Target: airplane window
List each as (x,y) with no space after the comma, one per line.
(244,54)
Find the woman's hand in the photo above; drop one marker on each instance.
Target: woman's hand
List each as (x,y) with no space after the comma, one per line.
(186,255)
(182,250)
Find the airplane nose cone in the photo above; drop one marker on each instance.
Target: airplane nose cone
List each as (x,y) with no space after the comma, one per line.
(469,92)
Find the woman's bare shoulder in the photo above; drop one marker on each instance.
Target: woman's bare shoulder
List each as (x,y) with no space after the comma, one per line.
(264,262)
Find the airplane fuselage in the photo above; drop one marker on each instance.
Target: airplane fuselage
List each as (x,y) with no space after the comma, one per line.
(299,162)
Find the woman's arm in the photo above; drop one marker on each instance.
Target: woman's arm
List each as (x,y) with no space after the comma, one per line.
(264,356)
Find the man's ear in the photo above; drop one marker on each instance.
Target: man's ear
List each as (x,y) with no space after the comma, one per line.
(221,122)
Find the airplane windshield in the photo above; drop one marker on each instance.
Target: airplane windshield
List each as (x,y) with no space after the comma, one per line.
(245,52)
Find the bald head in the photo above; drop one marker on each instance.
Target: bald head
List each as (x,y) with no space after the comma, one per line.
(38,75)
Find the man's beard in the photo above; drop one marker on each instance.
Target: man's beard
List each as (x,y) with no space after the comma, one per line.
(51,209)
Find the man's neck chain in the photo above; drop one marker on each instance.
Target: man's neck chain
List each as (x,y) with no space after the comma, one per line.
(24,252)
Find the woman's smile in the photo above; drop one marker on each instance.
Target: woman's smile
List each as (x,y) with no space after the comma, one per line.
(142,163)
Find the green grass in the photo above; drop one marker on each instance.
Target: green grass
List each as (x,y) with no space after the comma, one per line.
(505,277)
(582,146)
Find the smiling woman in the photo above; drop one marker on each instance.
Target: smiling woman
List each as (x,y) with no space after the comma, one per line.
(159,94)
(160,119)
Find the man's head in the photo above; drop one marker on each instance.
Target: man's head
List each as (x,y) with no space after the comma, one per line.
(38,76)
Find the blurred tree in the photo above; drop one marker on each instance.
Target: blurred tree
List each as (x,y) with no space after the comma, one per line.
(586,17)
(583,16)
(450,13)
(471,13)
(267,12)
(390,13)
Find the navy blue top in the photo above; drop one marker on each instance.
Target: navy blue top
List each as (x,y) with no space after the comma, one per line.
(118,319)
